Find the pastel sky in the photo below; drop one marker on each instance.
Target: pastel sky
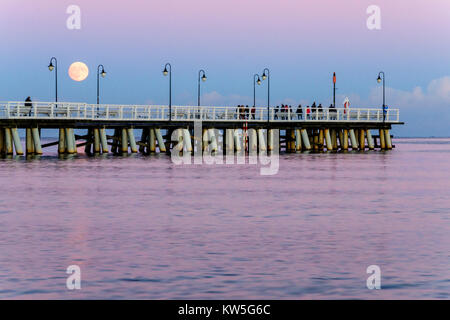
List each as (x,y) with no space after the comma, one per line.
(302,42)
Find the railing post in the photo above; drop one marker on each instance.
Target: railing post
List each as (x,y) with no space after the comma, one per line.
(52,110)
(328,114)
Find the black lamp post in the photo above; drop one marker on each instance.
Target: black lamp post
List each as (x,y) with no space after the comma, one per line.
(256,80)
(103,73)
(165,73)
(203,78)
(51,67)
(264,77)
(381,73)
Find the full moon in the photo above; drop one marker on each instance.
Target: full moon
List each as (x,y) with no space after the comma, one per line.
(78,71)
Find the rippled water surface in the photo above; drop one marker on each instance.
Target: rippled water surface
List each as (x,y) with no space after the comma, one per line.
(142,227)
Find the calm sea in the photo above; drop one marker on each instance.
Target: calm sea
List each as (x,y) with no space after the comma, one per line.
(142,227)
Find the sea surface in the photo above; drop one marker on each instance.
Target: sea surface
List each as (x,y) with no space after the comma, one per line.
(144,228)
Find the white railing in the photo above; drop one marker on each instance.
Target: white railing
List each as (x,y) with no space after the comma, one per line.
(110,112)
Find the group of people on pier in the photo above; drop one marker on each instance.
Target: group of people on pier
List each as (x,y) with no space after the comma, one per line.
(285,112)
(244,112)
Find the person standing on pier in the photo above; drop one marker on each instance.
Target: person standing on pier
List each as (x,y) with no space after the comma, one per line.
(253,112)
(320,109)
(28,104)
(333,112)
(299,112)
(247,111)
(314,110)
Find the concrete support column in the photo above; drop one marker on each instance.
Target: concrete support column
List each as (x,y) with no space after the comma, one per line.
(345,139)
(70,148)
(270,138)
(132,140)
(17,143)
(103,140)
(8,141)
(96,141)
(334,139)
(305,139)
(187,140)
(316,140)
(353,139)
(261,140)
(29,142)
(152,141)
(382,139)
(387,138)
(341,138)
(161,144)
(298,140)
(253,141)
(321,138)
(328,140)
(37,141)
(229,140)
(205,140)
(237,141)
(362,139)
(61,141)
(370,140)
(124,140)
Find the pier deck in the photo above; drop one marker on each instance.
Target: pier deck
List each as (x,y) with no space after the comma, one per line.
(328,125)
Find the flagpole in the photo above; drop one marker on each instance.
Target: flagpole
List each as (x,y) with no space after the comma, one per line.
(334,89)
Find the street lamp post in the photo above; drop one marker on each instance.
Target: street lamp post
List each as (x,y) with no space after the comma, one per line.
(381,73)
(256,80)
(203,78)
(264,77)
(165,72)
(103,73)
(51,67)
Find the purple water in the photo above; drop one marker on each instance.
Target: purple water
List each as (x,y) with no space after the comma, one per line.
(142,227)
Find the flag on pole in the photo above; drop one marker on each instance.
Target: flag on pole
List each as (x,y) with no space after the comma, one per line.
(334,77)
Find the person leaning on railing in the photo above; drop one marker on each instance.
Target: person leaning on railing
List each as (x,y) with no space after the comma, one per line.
(333,112)
(277,110)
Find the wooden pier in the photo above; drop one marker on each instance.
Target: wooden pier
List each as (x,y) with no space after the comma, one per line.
(163,128)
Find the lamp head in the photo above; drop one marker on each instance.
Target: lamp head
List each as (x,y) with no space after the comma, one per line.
(258,81)
(51,67)
(264,76)
(165,72)
(204,78)
(379,79)
(103,73)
